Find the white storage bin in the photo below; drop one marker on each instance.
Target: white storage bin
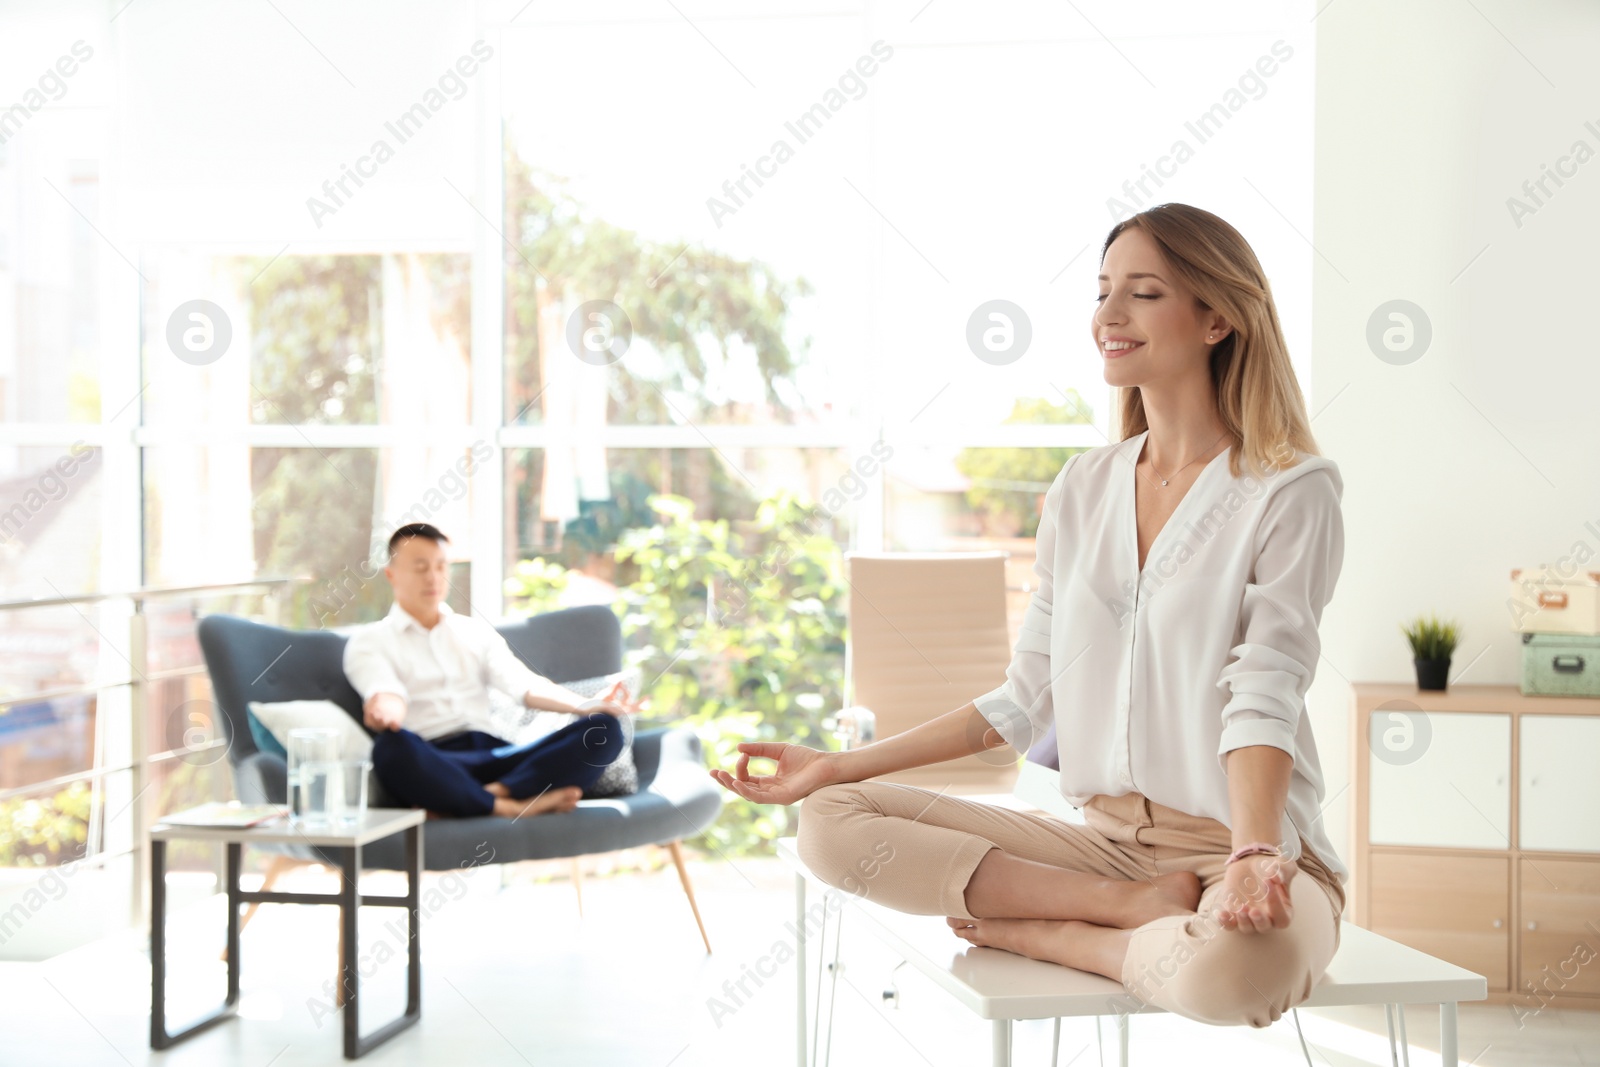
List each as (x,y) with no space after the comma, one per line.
(1545,600)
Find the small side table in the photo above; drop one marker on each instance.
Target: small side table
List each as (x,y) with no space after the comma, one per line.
(377,823)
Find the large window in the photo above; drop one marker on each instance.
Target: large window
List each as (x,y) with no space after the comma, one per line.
(781,229)
(339,411)
(532,272)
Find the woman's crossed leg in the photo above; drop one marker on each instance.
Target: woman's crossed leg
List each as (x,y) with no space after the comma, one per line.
(1064,893)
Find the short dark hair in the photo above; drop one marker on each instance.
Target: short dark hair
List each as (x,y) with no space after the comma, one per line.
(415,529)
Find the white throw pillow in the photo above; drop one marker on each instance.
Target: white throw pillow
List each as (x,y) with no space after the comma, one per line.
(280,718)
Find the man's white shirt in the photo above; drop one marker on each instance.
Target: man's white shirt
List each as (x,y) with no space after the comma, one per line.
(443,674)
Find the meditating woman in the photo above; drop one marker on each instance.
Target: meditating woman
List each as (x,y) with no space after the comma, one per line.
(1182,573)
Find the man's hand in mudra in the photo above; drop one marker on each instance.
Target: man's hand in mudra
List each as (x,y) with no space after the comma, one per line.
(801,771)
(1255,895)
(615,701)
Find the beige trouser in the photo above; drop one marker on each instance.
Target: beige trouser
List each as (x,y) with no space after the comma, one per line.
(915,850)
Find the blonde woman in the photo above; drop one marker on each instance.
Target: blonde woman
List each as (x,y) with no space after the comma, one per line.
(1182,574)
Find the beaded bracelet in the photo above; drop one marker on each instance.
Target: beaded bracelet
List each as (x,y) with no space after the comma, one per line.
(1254,848)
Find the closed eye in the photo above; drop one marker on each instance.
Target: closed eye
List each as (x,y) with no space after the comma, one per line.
(1136,296)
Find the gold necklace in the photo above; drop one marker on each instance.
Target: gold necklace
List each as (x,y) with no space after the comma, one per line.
(1180,470)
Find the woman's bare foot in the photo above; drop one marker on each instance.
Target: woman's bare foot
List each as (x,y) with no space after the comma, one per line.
(1069,942)
(498,789)
(552,800)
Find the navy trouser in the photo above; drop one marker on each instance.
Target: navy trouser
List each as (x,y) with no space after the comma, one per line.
(447,775)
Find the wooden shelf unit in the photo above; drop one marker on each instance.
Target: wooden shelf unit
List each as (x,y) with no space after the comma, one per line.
(1440,857)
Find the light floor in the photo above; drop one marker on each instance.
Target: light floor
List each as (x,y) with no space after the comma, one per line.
(513,976)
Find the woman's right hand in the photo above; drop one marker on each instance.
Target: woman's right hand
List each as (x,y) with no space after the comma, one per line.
(801,771)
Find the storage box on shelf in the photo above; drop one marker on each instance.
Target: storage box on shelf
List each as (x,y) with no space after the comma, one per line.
(1476,835)
(1558,615)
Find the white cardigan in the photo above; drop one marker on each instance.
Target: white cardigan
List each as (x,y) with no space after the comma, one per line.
(1152,677)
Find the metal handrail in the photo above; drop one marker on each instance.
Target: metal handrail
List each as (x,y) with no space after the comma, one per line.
(46,695)
(145,762)
(187,750)
(65,779)
(168,673)
(148,593)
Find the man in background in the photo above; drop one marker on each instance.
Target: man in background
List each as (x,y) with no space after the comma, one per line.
(424,673)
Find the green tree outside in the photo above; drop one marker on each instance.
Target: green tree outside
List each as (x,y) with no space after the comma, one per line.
(1007,483)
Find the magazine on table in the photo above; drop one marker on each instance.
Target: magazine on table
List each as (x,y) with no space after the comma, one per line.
(231,813)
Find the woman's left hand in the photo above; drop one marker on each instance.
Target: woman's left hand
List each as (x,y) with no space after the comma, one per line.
(1255,895)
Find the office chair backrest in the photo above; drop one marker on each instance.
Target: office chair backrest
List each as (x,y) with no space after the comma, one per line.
(928,633)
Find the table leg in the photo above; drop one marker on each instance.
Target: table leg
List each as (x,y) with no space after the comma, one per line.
(349,976)
(833,985)
(160,1038)
(822,972)
(414,922)
(234,863)
(356,1046)
(1449,1055)
(158,945)
(1002,1043)
(1122,1039)
(800,970)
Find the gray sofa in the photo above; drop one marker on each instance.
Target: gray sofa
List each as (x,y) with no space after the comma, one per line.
(249,661)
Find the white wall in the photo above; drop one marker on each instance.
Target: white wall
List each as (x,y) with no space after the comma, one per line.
(1480,455)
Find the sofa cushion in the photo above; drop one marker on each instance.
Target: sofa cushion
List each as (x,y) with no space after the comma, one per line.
(280,717)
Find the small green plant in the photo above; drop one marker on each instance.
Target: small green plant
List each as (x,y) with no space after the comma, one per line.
(1431,639)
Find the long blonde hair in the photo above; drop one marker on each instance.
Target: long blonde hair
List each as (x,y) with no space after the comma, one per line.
(1258,396)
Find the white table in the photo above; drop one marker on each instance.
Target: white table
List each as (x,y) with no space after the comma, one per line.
(1000,986)
(375,823)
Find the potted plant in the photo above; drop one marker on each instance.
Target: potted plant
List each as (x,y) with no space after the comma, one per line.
(1432,642)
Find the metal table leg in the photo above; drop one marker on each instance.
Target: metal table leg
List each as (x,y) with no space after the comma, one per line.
(800,970)
(833,985)
(160,1038)
(822,970)
(356,1046)
(414,921)
(1122,1038)
(1002,1043)
(1449,1055)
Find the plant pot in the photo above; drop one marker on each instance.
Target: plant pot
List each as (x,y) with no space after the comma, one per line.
(1432,673)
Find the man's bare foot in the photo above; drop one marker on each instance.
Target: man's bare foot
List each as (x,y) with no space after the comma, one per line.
(1069,942)
(553,800)
(498,789)
(1177,893)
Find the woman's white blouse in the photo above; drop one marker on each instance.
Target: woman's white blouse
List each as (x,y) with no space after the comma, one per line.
(1152,678)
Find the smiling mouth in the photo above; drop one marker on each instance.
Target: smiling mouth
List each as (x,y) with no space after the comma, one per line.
(1114,353)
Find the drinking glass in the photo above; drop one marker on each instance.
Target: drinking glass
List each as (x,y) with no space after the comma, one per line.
(313,757)
(348,797)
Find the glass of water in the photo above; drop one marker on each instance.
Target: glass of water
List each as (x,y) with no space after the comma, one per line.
(316,789)
(346,808)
